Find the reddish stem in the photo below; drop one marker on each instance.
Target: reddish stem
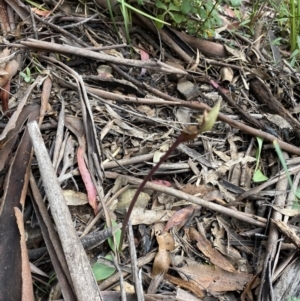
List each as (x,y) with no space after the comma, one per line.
(182,138)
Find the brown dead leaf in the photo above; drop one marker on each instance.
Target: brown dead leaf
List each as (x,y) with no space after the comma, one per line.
(27,287)
(213,278)
(179,218)
(146,110)
(4,96)
(247,293)
(13,120)
(5,53)
(193,287)
(207,48)
(123,128)
(232,254)
(149,217)
(200,190)
(11,69)
(162,261)
(39,12)
(87,180)
(226,75)
(285,211)
(204,245)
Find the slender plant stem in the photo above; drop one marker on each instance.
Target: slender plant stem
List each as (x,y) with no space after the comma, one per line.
(180,139)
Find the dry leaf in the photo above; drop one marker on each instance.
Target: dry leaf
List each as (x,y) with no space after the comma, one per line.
(213,278)
(75,198)
(226,75)
(279,121)
(127,196)
(204,245)
(146,110)
(27,285)
(87,180)
(162,261)
(144,57)
(237,54)
(149,217)
(11,69)
(179,218)
(183,115)
(285,211)
(193,287)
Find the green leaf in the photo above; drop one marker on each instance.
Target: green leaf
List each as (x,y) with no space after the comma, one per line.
(209,5)
(259,176)
(178,18)
(173,7)
(283,163)
(159,24)
(26,77)
(235,3)
(202,13)
(210,118)
(296,205)
(141,12)
(102,271)
(186,7)
(160,4)
(277,41)
(295,53)
(117,236)
(194,10)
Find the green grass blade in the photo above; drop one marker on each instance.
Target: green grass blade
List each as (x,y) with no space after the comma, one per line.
(143,13)
(295,192)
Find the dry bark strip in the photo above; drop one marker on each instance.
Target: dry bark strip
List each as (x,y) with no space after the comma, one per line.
(52,242)
(80,270)
(10,259)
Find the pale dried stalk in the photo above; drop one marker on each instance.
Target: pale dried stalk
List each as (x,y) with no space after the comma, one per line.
(81,273)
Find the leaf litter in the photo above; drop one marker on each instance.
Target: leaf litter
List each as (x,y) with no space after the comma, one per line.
(203,226)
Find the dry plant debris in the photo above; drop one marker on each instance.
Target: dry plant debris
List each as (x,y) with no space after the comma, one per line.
(86,116)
